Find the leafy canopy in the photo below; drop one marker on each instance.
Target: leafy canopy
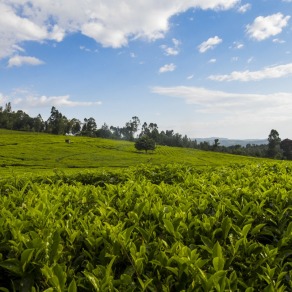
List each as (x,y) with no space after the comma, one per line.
(145,143)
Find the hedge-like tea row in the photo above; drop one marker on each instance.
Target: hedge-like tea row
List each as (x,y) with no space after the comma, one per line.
(168,228)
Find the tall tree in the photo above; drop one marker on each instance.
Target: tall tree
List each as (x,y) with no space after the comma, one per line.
(89,127)
(75,126)
(56,123)
(274,144)
(216,144)
(131,128)
(38,124)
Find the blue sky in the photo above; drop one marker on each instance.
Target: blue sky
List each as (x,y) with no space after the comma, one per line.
(216,68)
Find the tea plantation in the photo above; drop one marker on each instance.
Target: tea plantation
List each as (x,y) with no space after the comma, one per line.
(173,220)
(23,152)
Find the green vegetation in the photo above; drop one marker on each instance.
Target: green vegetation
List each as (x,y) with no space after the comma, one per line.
(23,152)
(145,143)
(97,215)
(149,228)
(59,124)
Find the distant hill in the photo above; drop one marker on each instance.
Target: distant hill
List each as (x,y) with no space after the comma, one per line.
(230,142)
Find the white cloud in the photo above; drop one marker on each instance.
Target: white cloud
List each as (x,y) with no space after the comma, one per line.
(212,61)
(244,8)
(209,44)
(44,101)
(110,23)
(278,41)
(234,106)
(237,45)
(18,61)
(266,73)
(220,99)
(25,98)
(85,49)
(190,77)
(172,51)
(265,27)
(167,68)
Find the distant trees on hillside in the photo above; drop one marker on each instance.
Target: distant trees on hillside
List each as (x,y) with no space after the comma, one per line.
(59,124)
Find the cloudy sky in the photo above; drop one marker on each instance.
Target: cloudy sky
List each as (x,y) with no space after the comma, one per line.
(205,68)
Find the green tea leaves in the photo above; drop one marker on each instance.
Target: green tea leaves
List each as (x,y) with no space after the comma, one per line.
(168,228)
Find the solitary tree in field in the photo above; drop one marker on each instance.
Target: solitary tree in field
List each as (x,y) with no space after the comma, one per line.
(145,143)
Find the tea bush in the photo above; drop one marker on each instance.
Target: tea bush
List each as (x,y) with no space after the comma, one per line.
(149,228)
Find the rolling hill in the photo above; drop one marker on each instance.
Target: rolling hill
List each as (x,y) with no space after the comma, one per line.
(34,152)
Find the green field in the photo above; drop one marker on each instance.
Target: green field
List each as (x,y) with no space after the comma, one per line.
(22,152)
(96,215)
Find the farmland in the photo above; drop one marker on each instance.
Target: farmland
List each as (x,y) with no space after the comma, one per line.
(95,215)
(42,153)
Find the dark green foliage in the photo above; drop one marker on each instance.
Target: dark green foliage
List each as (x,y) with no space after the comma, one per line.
(274,145)
(145,143)
(168,228)
(286,147)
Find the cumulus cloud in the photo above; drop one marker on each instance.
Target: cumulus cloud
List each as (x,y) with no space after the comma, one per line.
(209,44)
(172,51)
(266,73)
(244,8)
(265,27)
(167,68)
(18,61)
(110,23)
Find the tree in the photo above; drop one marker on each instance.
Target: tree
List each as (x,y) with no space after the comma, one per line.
(89,127)
(38,124)
(104,131)
(274,144)
(286,146)
(56,123)
(216,144)
(131,128)
(74,126)
(116,132)
(145,143)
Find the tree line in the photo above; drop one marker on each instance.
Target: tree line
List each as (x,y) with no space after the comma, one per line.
(133,130)
(276,148)
(59,124)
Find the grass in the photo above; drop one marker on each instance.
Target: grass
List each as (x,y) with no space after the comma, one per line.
(24,152)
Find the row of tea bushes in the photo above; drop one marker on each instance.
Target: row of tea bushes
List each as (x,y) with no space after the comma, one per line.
(149,228)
